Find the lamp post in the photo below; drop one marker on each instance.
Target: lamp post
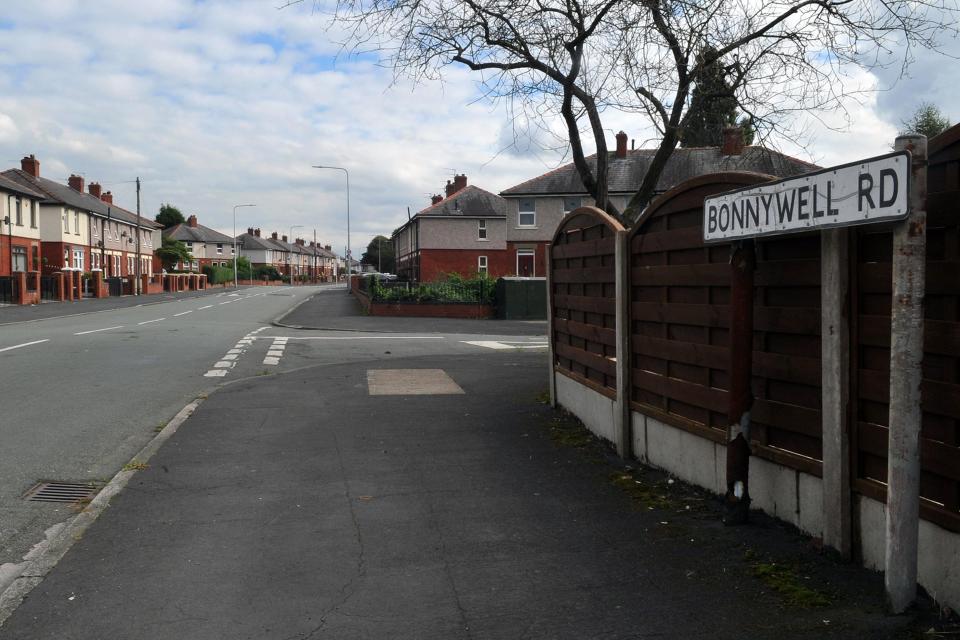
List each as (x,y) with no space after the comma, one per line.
(349,248)
(235,241)
(290,254)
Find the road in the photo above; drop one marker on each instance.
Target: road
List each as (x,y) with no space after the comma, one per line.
(83,393)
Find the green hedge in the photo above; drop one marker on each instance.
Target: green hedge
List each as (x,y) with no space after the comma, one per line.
(453,289)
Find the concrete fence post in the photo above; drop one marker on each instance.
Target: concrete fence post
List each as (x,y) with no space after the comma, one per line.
(551,372)
(622,426)
(835,387)
(906,358)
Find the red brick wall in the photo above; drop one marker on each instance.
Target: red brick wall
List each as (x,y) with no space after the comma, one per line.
(434,263)
(26,243)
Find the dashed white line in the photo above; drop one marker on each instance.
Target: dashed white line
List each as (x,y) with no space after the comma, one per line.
(177,315)
(83,333)
(149,321)
(25,344)
(215,373)
(206,307)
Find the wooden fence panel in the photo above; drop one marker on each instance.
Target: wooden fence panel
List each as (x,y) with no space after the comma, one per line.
(870,347)
(679,321)
(583,299)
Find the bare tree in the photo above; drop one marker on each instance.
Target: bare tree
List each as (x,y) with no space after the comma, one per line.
(578,58)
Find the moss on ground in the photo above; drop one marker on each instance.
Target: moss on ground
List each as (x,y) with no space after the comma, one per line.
(789,584)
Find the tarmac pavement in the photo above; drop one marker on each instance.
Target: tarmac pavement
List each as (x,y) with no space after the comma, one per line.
(301,505)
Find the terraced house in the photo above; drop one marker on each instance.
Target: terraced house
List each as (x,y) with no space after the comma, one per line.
(82,231)
(19,228)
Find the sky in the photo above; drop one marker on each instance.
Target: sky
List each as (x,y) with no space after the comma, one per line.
(214,103)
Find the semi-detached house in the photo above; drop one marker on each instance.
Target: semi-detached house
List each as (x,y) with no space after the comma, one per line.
(535,207)
(463,233)
(206,245)
(19,227)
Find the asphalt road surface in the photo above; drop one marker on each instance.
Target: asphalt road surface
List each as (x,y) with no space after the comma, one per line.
(83,393)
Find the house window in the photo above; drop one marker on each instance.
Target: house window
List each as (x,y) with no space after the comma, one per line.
(528,213)
(190,247)
(481,229)
(76,222)
(34,207)
(571,203)
(525,263)
(219,249)
(19,259)
(78,259)
(19,215)
(66,221)
(129,264)
(35,258)
(116,265)
(482,264)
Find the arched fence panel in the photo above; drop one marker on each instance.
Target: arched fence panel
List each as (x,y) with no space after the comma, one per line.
(583,298)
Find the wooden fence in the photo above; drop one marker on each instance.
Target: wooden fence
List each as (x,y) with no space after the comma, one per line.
(678,290)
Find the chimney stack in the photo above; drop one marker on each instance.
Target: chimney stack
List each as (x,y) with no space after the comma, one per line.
(284,238)
(449,189)
(273,235)
(436,199)
(459,182)
(327,247)
(107,197)
(732,141)
(621,145)
(192,221)
(249,231)
(30,165)
(256,232)
(95,190)
(76,182)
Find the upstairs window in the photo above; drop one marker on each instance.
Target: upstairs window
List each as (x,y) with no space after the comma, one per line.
(66,221)
(19,215)
(528,213)
(571,203)
(76,222)
(219,249)
(34,208)
(481,229)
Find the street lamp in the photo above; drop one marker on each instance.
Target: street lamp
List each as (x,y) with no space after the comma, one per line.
(290,254)
(349,248)
(235,286)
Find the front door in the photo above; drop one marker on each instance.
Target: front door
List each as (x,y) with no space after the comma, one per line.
(525,268)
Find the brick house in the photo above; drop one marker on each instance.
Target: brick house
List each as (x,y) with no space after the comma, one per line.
(206,245)
(535,207)
(261,251)
(462,232)
(20,241)
(82,231)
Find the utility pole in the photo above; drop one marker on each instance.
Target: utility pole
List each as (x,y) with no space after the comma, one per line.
(136,283)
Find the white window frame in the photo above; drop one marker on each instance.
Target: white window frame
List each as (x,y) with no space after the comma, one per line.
(16,251)
(521,212)
(76,222)
(19,216)
(527,252)
(66,221)
(482,264)
(482,231)
(219,248)
(567,209)
(78,259)
(34,213)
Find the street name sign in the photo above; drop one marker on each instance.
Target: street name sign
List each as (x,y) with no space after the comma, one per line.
(862,192)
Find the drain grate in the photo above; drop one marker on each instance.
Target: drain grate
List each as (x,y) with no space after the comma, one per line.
(51,491)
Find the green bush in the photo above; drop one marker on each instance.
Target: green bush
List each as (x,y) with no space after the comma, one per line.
(217,274)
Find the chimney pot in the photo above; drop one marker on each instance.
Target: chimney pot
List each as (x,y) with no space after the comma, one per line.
(107,197)
(732,141)
(95,190)
(30,164)
(284,238)
(256,232)
(273,235)
(192,221)
(450,189)
(249,231)
(459,182)
(436,199)
(621,145)
(76,182)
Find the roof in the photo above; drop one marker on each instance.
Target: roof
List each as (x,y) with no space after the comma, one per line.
(626,174)
(15,187)
(56,192)
(250,241)
(469,202)
(199,233)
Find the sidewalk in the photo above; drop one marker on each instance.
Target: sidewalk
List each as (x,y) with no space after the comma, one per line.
(335,310)
(299,506)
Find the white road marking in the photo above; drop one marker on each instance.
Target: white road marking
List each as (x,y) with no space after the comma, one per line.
(25,344)
(234,351)
(206,307)
(271,360)
(83,333)
(275,354)
(223,364)
(230,356)
(357,338)
(149,321)
(493,344)
(215,373)
(176,315)
(227,302)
